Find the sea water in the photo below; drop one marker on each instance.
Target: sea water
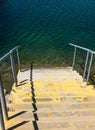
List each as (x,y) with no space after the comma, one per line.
(44,28)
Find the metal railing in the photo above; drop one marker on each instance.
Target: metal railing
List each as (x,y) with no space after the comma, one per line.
(3,106)
(90,54)
(2,126)
(10,53)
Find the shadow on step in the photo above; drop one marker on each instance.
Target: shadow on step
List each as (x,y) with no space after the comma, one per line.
(32,89)
(21,84)
(34,107)
(24,81)
(33,98)
(35,125)
(18,114)
(17,125)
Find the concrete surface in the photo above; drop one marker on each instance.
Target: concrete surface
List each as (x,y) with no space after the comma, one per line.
(51,99)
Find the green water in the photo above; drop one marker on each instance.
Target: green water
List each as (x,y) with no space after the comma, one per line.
(43,28)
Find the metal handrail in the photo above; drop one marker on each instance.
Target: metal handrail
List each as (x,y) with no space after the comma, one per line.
(10,53)
(6,55)
(89,53)
(93,52)
(2,125)
(3,100)
(83,48)
(14,48)
(2,96)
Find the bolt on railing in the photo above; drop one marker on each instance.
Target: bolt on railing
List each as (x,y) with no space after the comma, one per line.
(89,53)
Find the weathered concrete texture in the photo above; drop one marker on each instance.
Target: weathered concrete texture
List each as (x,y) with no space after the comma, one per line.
(51,99)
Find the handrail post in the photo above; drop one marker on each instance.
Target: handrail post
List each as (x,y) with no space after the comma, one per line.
(74,57)
(18,59)
(13,67)
(2,126)
(3,101)
(85,68)
(89,69)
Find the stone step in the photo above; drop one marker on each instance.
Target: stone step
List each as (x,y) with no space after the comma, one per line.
(26,120)
(54,106)
(71,128)
(51,125)
(58,97)
(42,125)
(48,84)
(60,92)
(54,99)
(66,113)
(53,114)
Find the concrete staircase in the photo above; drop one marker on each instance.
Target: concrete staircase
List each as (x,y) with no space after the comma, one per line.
(52,102)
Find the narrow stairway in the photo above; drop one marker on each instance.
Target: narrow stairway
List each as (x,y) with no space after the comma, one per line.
(52,99)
